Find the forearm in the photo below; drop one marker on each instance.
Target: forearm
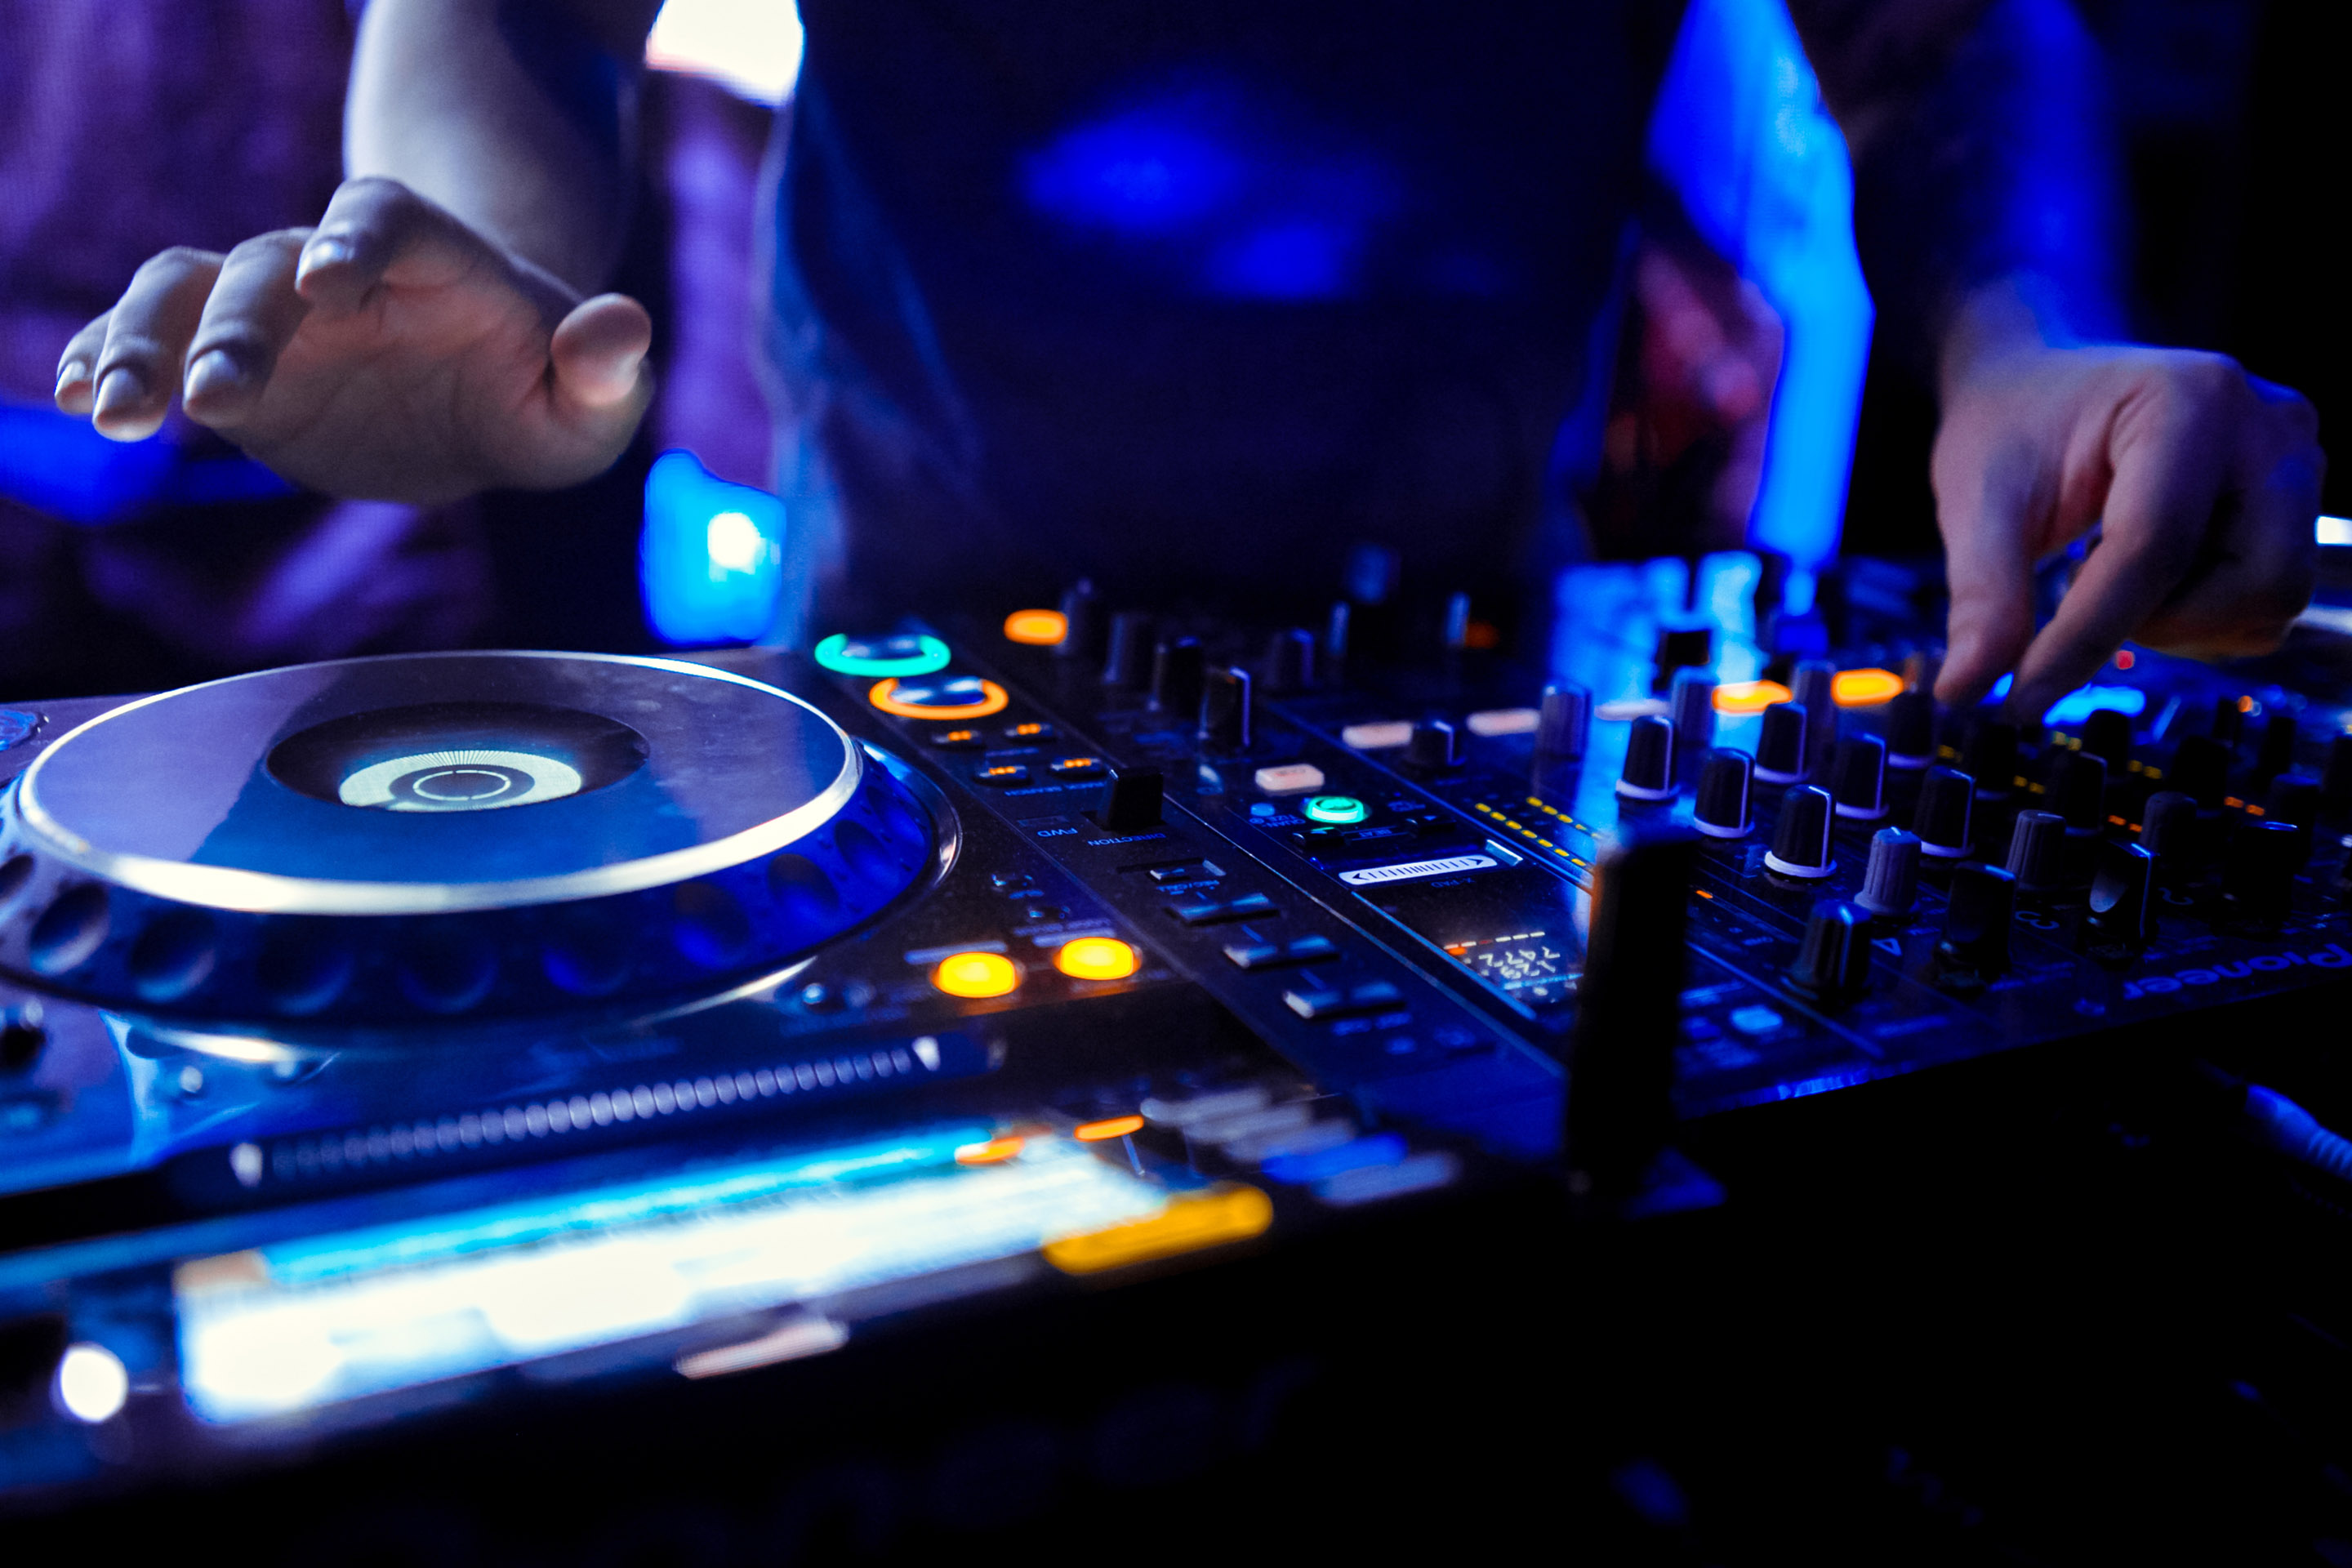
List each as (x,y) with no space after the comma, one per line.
(515,115)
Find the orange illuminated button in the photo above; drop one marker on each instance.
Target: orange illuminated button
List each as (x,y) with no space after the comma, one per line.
(939,696)
(994,1151)
(977,975)
(1097,957)
(1748,696)
(1038,629)
(1103,1131)
(1864,687)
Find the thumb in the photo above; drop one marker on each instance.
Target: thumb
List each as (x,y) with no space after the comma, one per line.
(598,355)
(1988,559)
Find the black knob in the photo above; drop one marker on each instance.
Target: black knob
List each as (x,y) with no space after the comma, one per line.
(1649,772)
(1225,714)
(1372,572)
(2336,782)
(2037,852)
(2200,770)
(1434,745)
(2122,890)
(1722,810)
(1082,628)
(1567,720)
(1780,749)
(2294,799)
(1858,778)
(1911,731)
(1692,708)
(2228,726)
(1890,884)
(1983,901)
(2107,735)
(22,1035)
(1128,662)
(2258,877)
(1990,757)
(1815,686)
(1132,801)
(1457,623)
(1947,800)
(1290,660)
(2077,790)
(1176,672)
(1683,647)
(1629,1004)
(1834,958)
(1336,634)
(2275,755)
(1801,842)
(2171,828)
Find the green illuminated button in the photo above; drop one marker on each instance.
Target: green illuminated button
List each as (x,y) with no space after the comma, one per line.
(1335,809)
(911,653)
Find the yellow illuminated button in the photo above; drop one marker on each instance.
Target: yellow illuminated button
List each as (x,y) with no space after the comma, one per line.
(1189,1222)
(1749,696)
(1864,687)
(1038,629)
(994,1151)
(1097,957)
(892,697)
(977,975)
(1103,1131)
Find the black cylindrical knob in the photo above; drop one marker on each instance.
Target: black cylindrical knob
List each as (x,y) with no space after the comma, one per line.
(1457,622)
(1780,751)
(1911,731)
(2258,880)
(1129,661)
(1225,711)
(1947,801)
(2122,891)
(1132,801)
(1649,772)
(2336,782)
(1621,1067)
(2275,755)
(1290,660)
(2077,790)
(2294,799)
(1801,843)
(1722,809)
(1814,684)
(1337,632)
(1683,647)
(1082,627)
(2037,851)
(1692,708)
(1834,958)
(2107,735)
(1567,720)
(1990,757)
(1890,884)
(1858,778)
(1982,902)
(2200,770)
(2228,726)
(1435,744)
(1177,667)
(2169,828)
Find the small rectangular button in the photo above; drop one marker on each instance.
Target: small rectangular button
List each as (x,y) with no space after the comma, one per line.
(1291,778)
(1281,954)
(1187,871)
(1003,775)
(1075,768)
(1212,911)
(1032,730)
(1014,882)
(1504,721)
(1377,737)
(1317,1004)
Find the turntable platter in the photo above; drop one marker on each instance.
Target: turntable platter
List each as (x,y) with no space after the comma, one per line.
(435,834)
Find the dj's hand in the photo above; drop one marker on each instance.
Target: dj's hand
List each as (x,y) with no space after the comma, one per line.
(390,353)
(2202,480)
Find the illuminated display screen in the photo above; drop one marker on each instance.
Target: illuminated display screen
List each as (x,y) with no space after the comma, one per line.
(298,1325)
(1530,963)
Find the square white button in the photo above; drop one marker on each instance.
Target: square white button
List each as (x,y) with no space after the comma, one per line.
(1289,779)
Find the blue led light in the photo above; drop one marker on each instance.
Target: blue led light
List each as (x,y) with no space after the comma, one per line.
(2084,701)
(710,561)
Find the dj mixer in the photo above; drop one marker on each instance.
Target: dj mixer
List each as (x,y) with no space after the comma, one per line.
(1085,1068)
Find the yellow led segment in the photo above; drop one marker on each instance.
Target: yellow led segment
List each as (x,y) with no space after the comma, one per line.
(1864,687)
(1192,1221)
(1749,696)
(1097,957)
(976,976)
(1037,629)
(1103,1131)
(995,1152)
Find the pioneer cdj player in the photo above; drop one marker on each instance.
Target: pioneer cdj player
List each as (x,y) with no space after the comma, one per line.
(985,1076)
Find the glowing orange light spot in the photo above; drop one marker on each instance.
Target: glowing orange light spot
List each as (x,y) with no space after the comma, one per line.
(1097,957)
(995,1152)
(992,699)
(1748,696)
(977,975)
(1103,1131)
(1702,893)
(2245,704)
(1864,687)
(1189,1222)
(1038,629)
(1482,634)
(2125,658)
